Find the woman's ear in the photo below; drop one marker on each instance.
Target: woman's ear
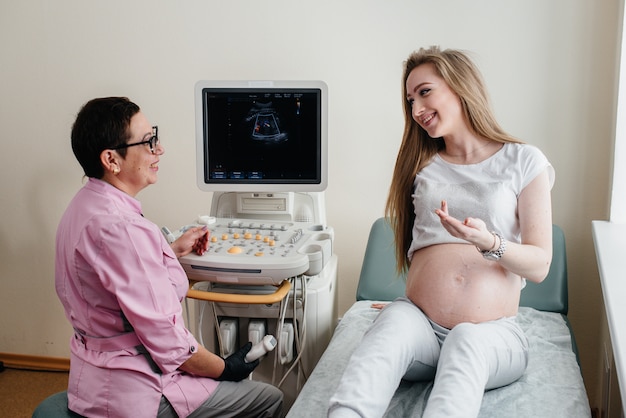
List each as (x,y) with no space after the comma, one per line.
(110,161)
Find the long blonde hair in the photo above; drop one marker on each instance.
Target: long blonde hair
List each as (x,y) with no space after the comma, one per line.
(417,148)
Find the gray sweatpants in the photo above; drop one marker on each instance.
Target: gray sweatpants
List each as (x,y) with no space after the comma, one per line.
(402,343)
(247,398)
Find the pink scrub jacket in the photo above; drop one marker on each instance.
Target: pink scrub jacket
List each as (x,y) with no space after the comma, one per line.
(122,286)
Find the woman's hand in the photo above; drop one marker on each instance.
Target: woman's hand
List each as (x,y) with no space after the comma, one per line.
(472,230)
(193,239)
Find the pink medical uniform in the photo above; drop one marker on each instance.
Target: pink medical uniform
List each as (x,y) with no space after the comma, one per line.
(122,286)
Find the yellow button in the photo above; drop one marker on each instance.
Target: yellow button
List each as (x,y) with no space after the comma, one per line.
(259,254)
(247,235)
(235,250)
(224,237)
(236,235)
(213,238)
(257,237)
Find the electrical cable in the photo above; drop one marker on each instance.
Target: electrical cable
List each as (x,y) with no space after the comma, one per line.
(281,321)
(300,340)
(216,322)
(200,321)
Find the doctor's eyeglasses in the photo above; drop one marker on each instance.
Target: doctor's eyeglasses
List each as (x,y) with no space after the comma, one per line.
(153,141)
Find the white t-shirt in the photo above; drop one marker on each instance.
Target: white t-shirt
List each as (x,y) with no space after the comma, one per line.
(487,190)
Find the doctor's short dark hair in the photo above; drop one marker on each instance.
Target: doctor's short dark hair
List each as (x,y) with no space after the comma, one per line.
(101,124)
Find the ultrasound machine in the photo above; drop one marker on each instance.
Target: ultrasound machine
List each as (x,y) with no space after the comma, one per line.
(270,269)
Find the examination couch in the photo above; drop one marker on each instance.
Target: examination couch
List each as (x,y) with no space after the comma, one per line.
(552,385)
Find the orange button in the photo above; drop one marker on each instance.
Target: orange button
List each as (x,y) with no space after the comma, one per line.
(259,254)
(235,250)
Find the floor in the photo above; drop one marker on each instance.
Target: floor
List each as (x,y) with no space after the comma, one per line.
(22,390)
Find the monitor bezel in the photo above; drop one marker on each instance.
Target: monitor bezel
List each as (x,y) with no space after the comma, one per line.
(265,186)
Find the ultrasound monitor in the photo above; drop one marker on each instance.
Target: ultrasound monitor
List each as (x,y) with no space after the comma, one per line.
(261,136)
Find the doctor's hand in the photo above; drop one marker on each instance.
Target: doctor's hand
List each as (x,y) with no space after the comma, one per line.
(472,230)
(235,366)
(194,239)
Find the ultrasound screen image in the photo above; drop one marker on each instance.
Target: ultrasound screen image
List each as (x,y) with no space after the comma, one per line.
(262,136)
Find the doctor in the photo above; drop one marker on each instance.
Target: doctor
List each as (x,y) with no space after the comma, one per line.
(121,286)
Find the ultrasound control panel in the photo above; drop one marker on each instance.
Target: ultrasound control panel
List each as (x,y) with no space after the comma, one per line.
(253,252)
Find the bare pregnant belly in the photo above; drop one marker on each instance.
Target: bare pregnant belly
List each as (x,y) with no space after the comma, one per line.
(453,283)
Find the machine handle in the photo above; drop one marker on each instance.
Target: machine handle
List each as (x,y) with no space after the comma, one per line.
(277,296)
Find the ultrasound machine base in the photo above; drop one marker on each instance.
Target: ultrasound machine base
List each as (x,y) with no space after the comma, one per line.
(303,333)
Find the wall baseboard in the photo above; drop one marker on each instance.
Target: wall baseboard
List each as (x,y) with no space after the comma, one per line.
(23,361)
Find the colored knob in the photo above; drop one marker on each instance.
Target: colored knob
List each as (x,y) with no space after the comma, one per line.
(235,250)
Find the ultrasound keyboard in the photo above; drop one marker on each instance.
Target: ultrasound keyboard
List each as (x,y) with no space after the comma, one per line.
(253,252)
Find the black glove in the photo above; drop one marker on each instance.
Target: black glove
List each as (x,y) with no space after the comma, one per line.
(236,368)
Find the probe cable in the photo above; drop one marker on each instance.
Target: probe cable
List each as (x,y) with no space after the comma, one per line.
(283,308)
(300,336)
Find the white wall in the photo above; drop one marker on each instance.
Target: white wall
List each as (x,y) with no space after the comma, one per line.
(550,67)
(618,189)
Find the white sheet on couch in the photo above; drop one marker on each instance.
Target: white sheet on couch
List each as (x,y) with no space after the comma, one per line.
(552,386)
